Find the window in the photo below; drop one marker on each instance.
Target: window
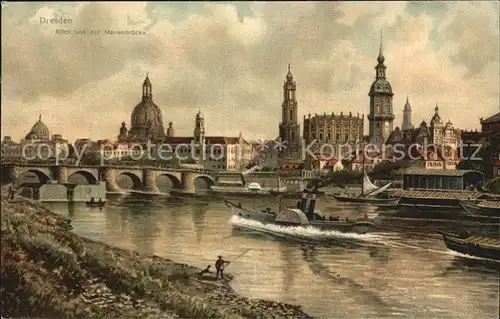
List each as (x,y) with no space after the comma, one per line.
(329,136)
(337,137)
(313,136)
(293,136)
(290,95)
(346,137)
(320,135)
(291,114)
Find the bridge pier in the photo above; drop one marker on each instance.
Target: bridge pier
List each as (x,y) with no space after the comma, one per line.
(188,182)
(61,174)
(149,181)
(110,179)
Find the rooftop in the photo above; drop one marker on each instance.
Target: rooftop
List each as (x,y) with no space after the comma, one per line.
(492,119)
(441,172)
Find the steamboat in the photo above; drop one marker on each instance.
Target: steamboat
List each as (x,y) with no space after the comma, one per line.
(303,215)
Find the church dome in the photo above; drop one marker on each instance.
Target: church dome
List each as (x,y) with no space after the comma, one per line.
(146,112)
(39,131)
(147,120)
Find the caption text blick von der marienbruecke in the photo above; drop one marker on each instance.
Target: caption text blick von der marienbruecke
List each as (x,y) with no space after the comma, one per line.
(90,31)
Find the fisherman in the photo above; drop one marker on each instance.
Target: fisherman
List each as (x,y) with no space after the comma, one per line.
(91,199)
(219,265)
(206,271)
(100,200)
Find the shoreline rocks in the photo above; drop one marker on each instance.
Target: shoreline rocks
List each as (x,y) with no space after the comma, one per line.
(48,271)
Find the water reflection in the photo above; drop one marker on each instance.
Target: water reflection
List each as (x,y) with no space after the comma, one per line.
(394,273)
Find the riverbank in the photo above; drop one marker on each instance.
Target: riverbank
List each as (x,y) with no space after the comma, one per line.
(48,271)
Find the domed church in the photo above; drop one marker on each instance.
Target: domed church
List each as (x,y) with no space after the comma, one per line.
(39,132)
(146,120)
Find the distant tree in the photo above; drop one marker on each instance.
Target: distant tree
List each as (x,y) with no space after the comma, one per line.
(91,158)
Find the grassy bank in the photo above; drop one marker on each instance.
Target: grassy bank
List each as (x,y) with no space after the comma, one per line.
(48,271)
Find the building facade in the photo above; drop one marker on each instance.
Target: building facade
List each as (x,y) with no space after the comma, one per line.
(219,153)
(38,145)
(381,115)
(289,128)
(332,130)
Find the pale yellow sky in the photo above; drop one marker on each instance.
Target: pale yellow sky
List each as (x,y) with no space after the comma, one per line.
(230,60)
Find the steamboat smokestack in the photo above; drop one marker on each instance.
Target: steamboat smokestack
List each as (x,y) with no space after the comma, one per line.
(312,203)
(304,201)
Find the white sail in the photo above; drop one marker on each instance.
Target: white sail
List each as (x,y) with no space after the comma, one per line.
(378,191)
(368,186)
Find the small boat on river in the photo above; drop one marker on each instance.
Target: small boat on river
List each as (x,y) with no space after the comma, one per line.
(370,195)
(95,204)
(478,246)
(482,207)
(302,216)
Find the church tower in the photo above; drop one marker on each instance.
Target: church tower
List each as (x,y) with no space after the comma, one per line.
(199,129)
(289,126)
(407,124)
(381,115)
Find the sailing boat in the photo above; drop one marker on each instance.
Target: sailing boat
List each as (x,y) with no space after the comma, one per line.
(370,194)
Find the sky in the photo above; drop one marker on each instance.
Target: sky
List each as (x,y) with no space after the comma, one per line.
(229,60)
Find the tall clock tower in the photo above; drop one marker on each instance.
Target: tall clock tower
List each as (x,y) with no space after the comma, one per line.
(381,116)
(289,129)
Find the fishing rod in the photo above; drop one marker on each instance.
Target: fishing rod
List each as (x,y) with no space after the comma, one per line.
(246,251)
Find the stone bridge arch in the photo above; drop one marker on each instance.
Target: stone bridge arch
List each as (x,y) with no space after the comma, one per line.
(136,179)
(89,176)
(209,180)
(176,182)
(42,175)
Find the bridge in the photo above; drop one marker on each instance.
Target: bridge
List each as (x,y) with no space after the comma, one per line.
(143,177)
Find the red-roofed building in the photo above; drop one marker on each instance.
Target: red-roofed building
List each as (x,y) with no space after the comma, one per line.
(322,162)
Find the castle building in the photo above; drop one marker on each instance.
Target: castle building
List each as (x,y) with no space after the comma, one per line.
(381,115)
(433,146)
(333,130)
(289,129)
(444,134)
(146,120)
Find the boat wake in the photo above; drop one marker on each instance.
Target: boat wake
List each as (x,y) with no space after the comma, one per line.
(304,233)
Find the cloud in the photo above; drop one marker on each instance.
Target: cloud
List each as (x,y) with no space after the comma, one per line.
(229,61)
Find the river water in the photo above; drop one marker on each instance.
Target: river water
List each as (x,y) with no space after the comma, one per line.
(402,270)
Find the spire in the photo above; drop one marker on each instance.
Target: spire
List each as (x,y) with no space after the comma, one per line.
(289,75)
(407,105)
(436,109)
(40,118)
(381,58)
(147,88)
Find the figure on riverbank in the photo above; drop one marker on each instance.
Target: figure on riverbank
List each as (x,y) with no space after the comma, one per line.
(11,192)
(220,265)
(206,271)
